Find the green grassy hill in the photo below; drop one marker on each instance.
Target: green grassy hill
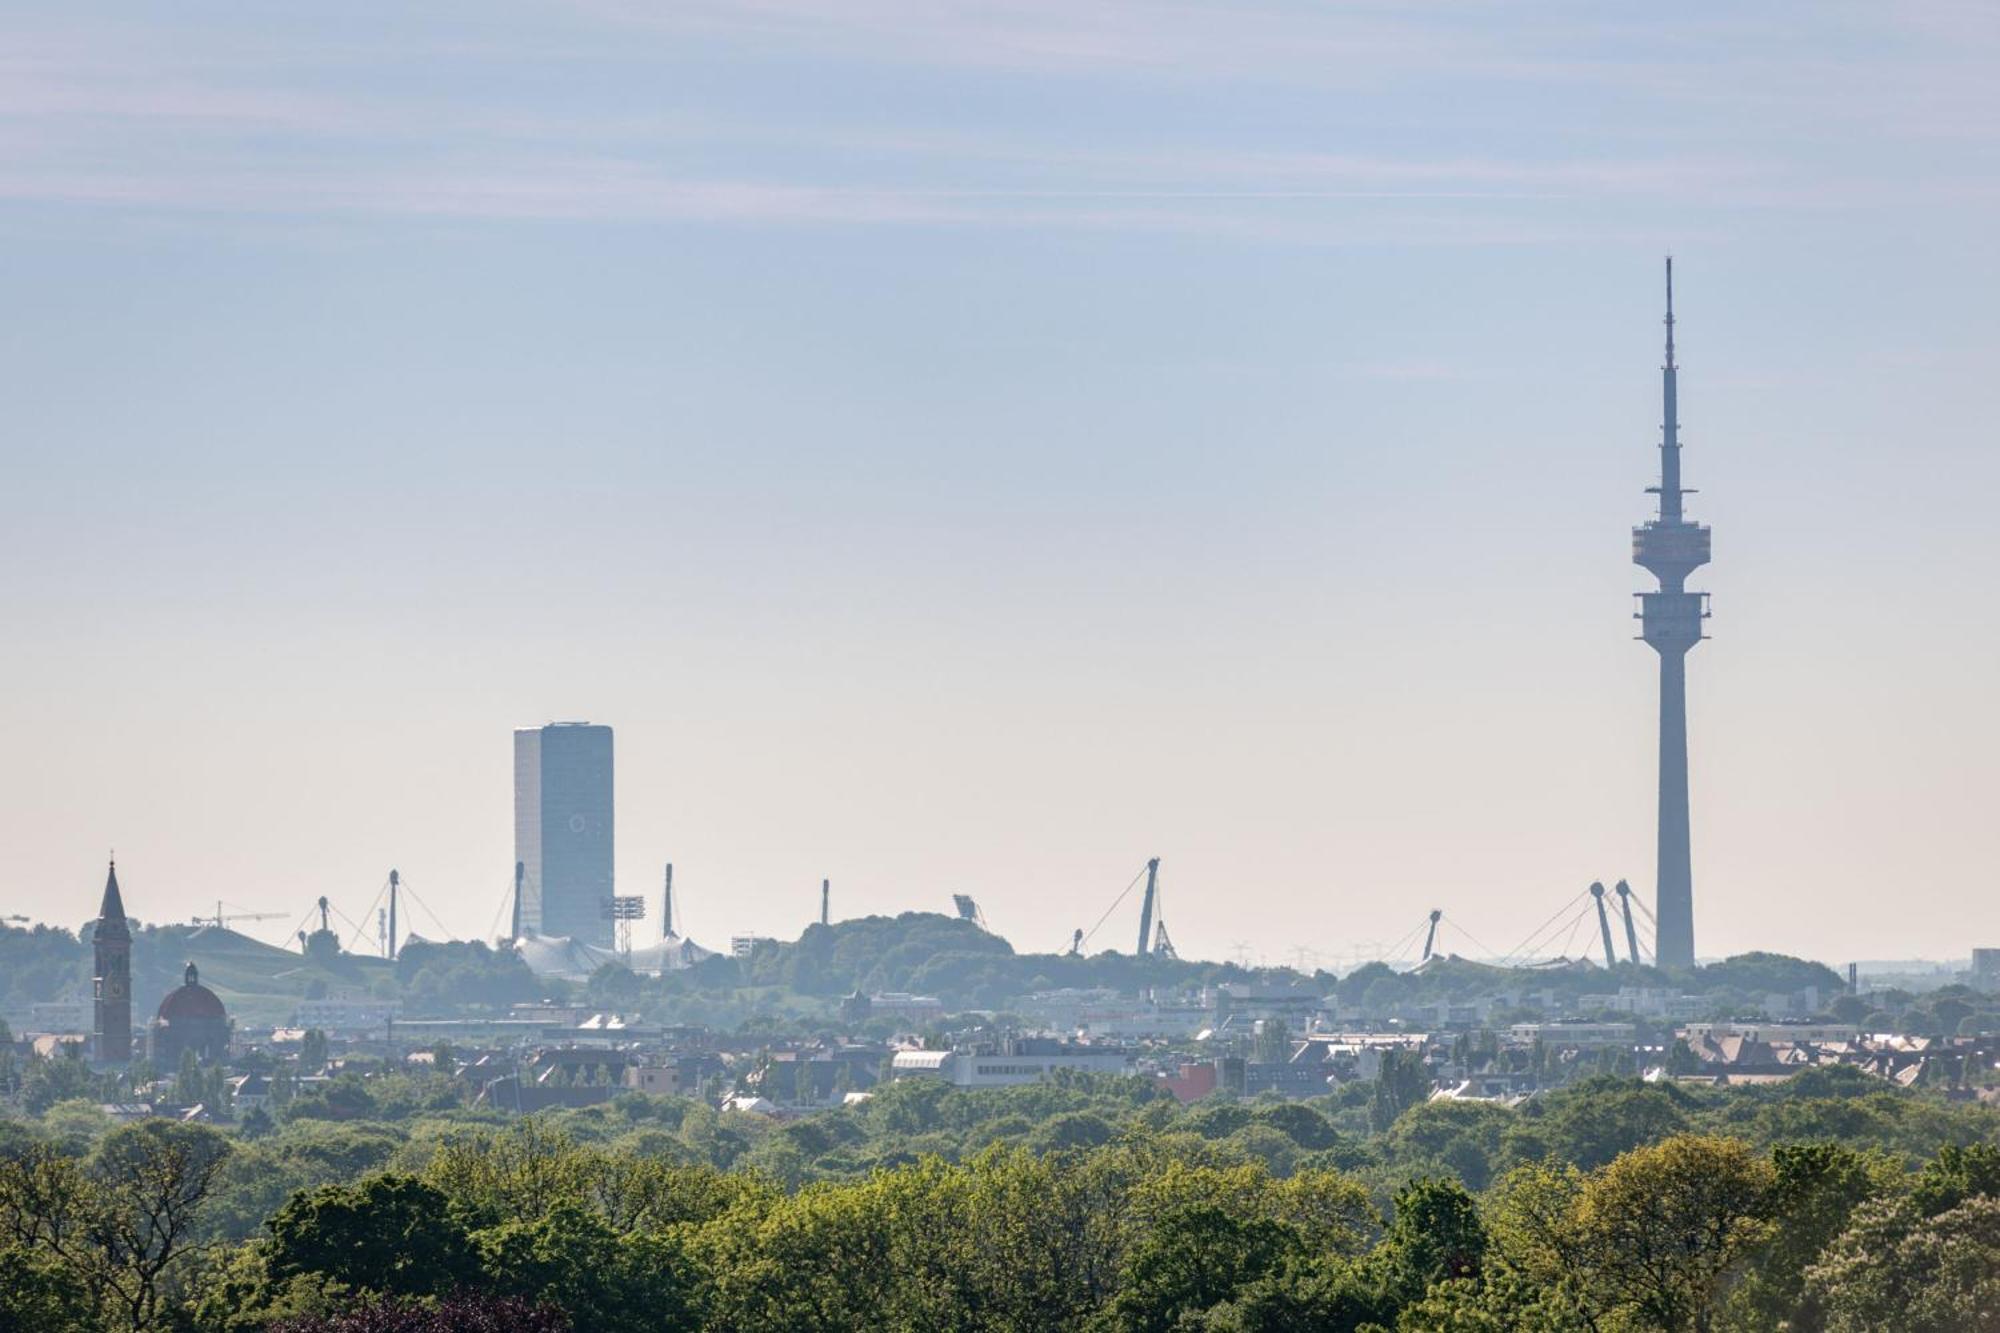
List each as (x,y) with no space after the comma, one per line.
(259,983)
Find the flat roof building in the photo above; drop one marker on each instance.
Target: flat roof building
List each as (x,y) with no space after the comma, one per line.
(1578,1036)
(1021,1060)
(563,831)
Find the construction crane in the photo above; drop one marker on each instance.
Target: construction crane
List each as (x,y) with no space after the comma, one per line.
(221,919)
(1604,926)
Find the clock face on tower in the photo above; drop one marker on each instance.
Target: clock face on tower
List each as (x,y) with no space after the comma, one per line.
(114,987)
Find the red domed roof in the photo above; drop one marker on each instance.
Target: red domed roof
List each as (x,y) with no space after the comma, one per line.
(191,1001)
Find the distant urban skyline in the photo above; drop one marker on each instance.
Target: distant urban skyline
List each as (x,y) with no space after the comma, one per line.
(978,448)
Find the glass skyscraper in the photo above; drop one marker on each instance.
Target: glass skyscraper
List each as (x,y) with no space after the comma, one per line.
(562,830)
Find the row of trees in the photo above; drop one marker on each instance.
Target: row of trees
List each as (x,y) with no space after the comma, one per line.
(1380,1133)
(526,1229)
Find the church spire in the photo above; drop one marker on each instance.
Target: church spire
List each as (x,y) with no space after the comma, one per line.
(111,914)
(111,978)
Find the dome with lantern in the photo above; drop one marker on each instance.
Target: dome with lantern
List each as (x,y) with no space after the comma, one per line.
(191,1018)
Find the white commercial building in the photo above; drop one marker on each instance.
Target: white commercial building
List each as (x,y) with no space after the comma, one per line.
(1578,1036)
(346,1015)
(1025,1061)
(1831,1033)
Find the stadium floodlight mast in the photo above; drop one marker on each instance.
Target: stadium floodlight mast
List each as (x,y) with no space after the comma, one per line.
(624,910)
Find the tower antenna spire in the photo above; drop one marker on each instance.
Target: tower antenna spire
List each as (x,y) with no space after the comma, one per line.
(1670,489)
(1670,312)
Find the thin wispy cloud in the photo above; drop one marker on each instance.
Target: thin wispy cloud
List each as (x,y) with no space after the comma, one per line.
(617,193)
(95,116)
(1049,36)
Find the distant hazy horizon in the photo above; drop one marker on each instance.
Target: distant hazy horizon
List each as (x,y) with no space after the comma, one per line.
(976,448)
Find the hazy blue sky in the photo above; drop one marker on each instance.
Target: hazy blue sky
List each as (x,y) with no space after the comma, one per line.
(975,447)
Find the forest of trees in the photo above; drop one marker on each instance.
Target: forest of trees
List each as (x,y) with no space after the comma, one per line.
(1824,1203)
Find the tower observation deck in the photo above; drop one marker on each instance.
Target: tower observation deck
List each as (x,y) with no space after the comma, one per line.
(1671,548)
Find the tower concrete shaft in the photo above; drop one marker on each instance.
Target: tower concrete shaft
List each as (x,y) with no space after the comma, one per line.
(1671,548)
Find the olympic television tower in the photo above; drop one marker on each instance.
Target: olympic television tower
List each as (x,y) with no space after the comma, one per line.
(1671,548)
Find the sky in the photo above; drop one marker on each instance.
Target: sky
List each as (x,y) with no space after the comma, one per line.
(974,447)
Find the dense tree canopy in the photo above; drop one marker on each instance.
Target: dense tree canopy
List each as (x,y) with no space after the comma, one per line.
(1085,1204)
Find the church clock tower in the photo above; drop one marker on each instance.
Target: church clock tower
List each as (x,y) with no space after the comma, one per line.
(111,948)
